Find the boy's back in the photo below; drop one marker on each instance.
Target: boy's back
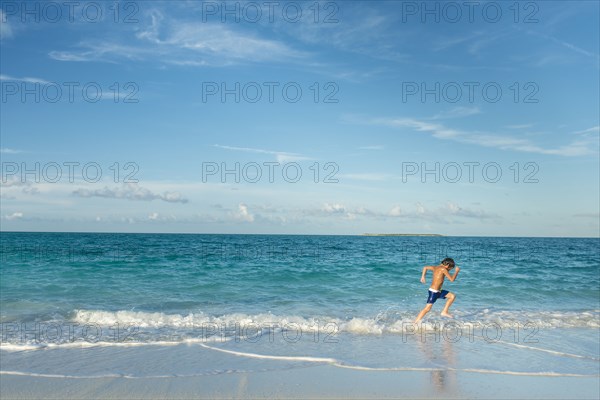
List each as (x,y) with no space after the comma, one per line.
(438,277)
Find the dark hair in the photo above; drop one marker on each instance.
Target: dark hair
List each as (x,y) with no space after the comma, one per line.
(448,261)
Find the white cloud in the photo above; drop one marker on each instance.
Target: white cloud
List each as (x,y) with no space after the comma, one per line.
(334,208)
(440,214)
(14,216)
(243,214)
(396,211)
(15,184)
(337,209)
(153,216)
(458,211)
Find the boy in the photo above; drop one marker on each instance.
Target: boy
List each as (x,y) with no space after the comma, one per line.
(435,291)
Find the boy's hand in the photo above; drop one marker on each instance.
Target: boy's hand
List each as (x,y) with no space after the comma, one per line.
(422,279)
(457,269)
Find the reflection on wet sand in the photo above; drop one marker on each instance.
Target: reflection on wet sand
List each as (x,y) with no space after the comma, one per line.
(439,353)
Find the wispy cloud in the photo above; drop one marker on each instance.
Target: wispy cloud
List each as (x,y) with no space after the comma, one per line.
(592,130)
(358,27)
(596,216)
(373,177)
(569,46)
(520,126)
(101,51)
(457,112)
(5,28)
(544,59)
(281,156)
(373,147)
(24,79)
(6,150)
(483,42)
(180,42)
(579,147)
(131,191)
(448,42)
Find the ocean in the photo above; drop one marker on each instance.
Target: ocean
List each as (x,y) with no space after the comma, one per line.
(260,302)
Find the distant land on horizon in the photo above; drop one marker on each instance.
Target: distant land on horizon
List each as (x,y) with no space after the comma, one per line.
(402,234)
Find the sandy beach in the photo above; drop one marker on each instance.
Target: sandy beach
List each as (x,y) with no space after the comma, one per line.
(183,371)
(316,382)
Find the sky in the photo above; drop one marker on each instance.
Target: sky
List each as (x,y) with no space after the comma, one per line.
(454,118)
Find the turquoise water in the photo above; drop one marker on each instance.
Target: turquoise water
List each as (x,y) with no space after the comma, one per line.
(350,296)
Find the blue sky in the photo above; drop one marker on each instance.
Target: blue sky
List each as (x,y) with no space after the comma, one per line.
(398,92)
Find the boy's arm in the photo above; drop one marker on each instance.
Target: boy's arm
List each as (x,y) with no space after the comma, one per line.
(453,277)
(425,269)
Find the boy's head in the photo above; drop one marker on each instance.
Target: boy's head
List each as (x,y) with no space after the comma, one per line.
(448,263)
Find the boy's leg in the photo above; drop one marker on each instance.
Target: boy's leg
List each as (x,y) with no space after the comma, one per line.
(449,300)
(424,311)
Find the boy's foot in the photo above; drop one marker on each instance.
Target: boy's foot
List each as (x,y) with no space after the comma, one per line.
(445,314)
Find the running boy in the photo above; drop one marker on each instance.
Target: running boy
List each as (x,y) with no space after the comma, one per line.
(435,291)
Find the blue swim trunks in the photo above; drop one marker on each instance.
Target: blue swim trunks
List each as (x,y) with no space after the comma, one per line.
(433,296)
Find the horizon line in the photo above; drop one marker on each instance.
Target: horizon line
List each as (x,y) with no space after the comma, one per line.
(307,234)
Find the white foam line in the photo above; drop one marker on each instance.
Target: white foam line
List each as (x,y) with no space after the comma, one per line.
(558,353)
(472,370)
(361,368)
(37,375)
(331,361)
(491,371)
(77,345)
(18,373)
(336,363)
(287,358)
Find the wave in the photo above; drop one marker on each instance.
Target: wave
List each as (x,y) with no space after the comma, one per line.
(380,324)
(88,328)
